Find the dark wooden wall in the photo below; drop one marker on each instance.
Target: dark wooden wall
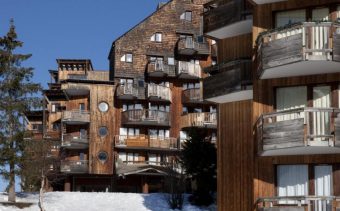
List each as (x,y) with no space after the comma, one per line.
(235,156)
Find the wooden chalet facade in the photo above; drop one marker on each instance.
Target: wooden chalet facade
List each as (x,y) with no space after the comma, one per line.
(118,130)
(276,83)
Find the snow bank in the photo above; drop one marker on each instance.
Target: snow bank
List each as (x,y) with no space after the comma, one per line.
(77,201)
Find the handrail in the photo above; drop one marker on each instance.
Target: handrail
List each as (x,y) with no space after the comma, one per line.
(146,141)
(141,115)
(156,90)
(127,89)
(318,122)
(199,119)
(76,115)
(189,68)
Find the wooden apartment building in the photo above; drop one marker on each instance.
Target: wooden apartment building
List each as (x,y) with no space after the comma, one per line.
(276,83)
(118,130)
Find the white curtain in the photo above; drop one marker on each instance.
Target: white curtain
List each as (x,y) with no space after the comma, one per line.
(292,180)
(122,156)
(323,186)
(289,98)
(321,120)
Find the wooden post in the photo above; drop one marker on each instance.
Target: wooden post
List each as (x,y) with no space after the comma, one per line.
(145,185)
(67,185)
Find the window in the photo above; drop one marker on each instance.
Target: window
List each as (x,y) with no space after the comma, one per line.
(126,81)
(122,156)
(157,37)
(82,106)
(56,126)
(83,133)
(338,12)
(320,14)
(290,17)
(37,127)
(292,180)
(126,58)
(187,15)
(289,98)
(103,131)
(161,134)
(132,107)
(102,156)
(171,61)
(103,107)
(55,107)
(155,107)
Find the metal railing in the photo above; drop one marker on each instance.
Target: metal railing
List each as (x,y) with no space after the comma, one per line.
(203,119)
(169,70)
(76,141)
(303,203)
(145,116)
(298,127)
(189,68)
(297,42)
(76,116)
(74,166)
(146,141)
(198,47)
(159,91)
(127,89)
(192,95)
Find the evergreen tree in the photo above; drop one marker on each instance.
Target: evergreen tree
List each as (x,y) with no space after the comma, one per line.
(17,96)
(199,160)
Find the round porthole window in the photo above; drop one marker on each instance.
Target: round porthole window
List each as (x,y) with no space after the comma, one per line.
(102,156)
(102,131)
(103,107)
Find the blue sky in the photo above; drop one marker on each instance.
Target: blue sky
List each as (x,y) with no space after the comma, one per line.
(52,29)
(70,29)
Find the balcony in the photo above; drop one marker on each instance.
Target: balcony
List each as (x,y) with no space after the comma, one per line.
(298,203)
(146,117)
(302,131)
(75,89)
(160,70)
(229,82)
(71,141)
(33,135)
(127,92)
(200,120)
(193,95)
(146,142)
(302,49)
(227,18)
(158,93)
(53,134)
(76,117)
(188,47)
(74,166)
(188,70)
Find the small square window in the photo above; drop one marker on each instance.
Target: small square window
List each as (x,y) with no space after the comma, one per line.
(129,57)
(171,61)
(126,58)
(187,15)
(157,37)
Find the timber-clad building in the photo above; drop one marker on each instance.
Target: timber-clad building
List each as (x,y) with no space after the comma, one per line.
(119,130)
(276,83)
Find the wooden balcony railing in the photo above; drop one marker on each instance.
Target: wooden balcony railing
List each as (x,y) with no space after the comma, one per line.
(127,90)
(146,117)
(227,78)
(158,92)
(220,13)
(75,142)
(188,68)
(53,134)
(74,166)
(299,203)
(301,127)
(144,141)
(192,95)
(159,69)
(308,41)
(205,119)
(76,116)
(190,47)
(33,135)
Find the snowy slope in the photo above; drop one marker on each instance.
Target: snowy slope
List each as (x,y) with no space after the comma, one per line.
(76,201)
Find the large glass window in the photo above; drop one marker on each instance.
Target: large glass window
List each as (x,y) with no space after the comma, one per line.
(289,17)
(292,180)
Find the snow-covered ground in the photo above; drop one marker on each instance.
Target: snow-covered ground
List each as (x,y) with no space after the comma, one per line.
(76,201)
